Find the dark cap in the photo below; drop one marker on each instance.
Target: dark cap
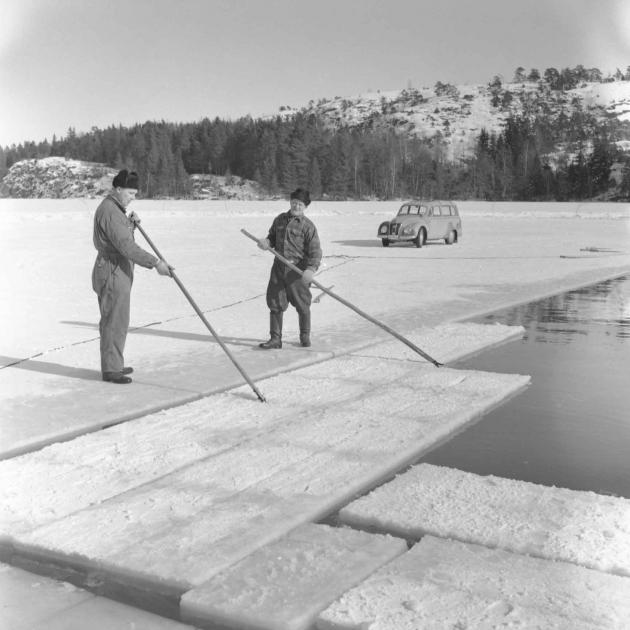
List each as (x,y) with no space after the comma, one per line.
(302,195)
(126,179)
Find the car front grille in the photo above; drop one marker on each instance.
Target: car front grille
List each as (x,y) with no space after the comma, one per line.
(393,228)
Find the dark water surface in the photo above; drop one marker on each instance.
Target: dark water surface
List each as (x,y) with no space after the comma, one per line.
(571,427)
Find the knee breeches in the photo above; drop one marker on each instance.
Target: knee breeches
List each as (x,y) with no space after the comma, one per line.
(286,287)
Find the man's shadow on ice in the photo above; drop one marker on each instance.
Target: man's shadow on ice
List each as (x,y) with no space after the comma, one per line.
(48,367)
(171,334)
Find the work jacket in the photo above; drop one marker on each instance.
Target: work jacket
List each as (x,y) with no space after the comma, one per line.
(113,235)
(297,240)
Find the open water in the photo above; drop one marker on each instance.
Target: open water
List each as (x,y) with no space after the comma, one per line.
(571,427)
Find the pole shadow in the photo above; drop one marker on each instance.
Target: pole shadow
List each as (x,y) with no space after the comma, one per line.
(145,330)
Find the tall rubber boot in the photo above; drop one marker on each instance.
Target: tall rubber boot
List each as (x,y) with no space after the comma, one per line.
(275,332)
(305,329)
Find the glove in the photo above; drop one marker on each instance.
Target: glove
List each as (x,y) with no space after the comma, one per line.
(163,268)
(307,276)
(263,243)
(134,218)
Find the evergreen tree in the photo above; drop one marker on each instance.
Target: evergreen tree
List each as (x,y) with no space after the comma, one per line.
(315,180)
(533,75)
(599,164)
(519,75)
(552,78)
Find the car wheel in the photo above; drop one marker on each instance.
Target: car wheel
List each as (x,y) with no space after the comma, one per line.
(421,239)
(385,242)
(451,238)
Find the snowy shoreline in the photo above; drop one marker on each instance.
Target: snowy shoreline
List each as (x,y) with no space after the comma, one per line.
(223,208)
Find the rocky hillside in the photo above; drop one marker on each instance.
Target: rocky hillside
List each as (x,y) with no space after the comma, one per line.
(225,187)
(56,178)
(459,112)
(60,178)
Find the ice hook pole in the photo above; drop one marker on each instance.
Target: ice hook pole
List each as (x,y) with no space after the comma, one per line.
(350,305)
(203,318)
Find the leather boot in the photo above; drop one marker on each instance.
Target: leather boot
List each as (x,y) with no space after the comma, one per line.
(275,332)
(305,329)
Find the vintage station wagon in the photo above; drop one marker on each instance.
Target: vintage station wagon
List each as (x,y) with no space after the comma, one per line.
(422,221)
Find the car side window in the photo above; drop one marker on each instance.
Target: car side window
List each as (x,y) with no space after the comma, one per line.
(436,211)
(413,210)
(446,211)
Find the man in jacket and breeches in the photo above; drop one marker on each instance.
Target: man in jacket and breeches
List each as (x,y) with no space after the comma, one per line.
(294,237)
(112,275)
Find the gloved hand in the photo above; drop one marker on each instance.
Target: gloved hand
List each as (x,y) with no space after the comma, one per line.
(163,268)
(263,243)
(307,276)
(134,218)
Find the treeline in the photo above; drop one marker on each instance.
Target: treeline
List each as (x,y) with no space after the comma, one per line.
(514,165)
(280,154)
(523,162)
(568,78)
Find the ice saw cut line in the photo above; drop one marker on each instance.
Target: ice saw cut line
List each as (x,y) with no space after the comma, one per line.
(349,304)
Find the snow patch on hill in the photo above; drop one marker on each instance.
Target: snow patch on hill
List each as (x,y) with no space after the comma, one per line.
(456,114)
(61,178)
(56,178)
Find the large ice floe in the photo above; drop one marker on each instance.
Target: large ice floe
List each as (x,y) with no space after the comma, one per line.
(442,584)
(585,528)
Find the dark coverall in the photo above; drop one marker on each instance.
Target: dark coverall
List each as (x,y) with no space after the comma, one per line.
(297,240)
(112,278)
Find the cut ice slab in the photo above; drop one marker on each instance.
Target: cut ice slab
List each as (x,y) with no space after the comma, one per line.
(447,584)
(69,476)
(585,528)
(55,398)
(284,585)
(325,436)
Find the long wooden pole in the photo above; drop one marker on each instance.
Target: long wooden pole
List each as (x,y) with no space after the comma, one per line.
(350,305)
(203,318)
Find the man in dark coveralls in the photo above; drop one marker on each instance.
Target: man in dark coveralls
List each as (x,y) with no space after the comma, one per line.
(112,275)
(295,237)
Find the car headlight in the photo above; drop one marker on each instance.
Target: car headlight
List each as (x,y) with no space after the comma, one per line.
(409,229)
(384,229)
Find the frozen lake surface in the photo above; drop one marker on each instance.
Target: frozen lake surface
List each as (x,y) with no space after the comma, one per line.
(174,493)
(571,428)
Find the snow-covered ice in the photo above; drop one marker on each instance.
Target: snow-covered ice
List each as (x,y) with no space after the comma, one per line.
(585,528)
(170,498)
(271,467)
(284,585)
(102,464)
(442,584)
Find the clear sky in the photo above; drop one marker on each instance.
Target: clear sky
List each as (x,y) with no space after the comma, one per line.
(85,63)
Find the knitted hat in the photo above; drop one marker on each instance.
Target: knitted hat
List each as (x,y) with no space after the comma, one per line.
(302,195)
(126,179)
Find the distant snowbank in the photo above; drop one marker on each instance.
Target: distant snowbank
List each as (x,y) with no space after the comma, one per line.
(584,210)
(49,208)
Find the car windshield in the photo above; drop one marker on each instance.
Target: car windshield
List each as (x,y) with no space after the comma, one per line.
(412,209)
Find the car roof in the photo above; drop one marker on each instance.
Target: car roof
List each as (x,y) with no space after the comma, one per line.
(416,202)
